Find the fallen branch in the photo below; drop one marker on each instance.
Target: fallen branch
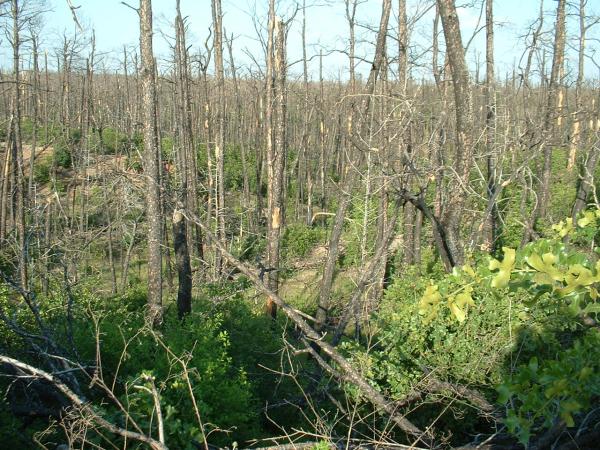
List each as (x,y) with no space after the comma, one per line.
(346,371)
(81,405)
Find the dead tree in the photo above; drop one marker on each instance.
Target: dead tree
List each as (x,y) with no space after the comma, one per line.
(151,164)
(183,155)
(16,146)
(351,175)
(220,127)
(490,128)
(551,116)
(463,109)
(275,152)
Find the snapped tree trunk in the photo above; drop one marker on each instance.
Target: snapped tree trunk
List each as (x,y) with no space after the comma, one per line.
(151,165)
(184,152)
(276,163)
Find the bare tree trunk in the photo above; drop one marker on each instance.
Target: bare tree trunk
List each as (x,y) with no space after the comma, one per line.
(36,103)
(17,150)
(111,260)
(47,241)
(417,237)
(576,128)
(464,117)
(241,138)
(304,157)
(5,185)
(552,112)
(151,165)
(276,160)
(183,153)
(271,307)
(220,121)
(490,101)
(402,45)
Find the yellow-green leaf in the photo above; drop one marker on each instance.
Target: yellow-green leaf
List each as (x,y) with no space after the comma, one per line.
(504,268)
(587,218)
(548,273)
(459,304)
(564,227)
(577,276)
(428,305)
(469,271)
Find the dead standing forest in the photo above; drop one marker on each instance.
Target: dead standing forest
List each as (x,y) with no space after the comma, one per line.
(198,253)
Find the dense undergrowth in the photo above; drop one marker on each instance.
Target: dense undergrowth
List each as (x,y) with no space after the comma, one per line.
(513,329)
(521,329)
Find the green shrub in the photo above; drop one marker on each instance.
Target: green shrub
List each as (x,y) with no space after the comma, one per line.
(42,171)
(512,325)
(299,239)
(62,156)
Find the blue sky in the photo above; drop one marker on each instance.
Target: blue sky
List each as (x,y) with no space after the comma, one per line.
(116,25)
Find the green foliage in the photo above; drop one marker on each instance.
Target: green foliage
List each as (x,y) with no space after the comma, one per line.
(511,324)
(234,169)
(222,391)
(42,170)
(543,390)
(62,156)
(64,147)
(354,229)
(115,142)
(250,247)
(195,353)
(299,239)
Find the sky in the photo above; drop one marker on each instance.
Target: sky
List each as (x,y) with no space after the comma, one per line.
(116,25)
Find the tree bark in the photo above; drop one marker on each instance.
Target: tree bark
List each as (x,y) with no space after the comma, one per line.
(184,153)
(151,165)
(490,101)
(220,121)
(276,163)
(463,109)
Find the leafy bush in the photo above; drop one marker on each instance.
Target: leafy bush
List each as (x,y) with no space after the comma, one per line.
(222,391)
(41,171)
(62,156)
(299,239)
(192,354)
(512,325)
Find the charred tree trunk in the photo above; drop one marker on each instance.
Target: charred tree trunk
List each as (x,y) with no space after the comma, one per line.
(184,152)
(550,118)
(220,122)
(490,101)
(453,213)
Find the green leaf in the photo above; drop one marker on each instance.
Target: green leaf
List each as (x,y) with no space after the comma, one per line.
(577,277)
(564,227)
(587,218)
(592,308)
(567,408)
(504,393)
